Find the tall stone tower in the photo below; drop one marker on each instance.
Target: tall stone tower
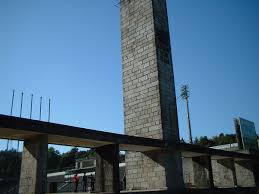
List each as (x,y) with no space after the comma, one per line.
(149,93)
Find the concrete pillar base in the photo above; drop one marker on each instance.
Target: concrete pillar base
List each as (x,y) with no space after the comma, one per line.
(159,169)
(107,169)
(33,176)
(202,172)
(188,172)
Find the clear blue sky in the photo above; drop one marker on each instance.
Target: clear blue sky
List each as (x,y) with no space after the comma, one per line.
(70,51)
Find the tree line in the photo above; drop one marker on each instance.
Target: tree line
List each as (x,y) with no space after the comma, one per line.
(10,161)
(60,162)
(221,139)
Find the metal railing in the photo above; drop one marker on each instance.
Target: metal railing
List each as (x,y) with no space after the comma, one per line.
(69,186)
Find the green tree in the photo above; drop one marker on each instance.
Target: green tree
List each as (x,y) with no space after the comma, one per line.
(196,140)
(54,158)
(68,158)
(216,140)
(10,162)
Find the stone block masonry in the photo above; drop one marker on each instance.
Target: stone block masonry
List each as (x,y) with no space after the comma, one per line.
(202,170)
(245,173)
(107,169)
(224,173)
(149,94)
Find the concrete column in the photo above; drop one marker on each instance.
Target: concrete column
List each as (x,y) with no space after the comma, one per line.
(245,173)
(188,172)
(33,178)
(224,173)
(202,172)
(256,172)
(81,164)
(107,169)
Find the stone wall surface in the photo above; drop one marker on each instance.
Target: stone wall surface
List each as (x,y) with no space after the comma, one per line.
(202,171)
(244,173)
(149,93)
(224,173)
(107,169)
(188,172)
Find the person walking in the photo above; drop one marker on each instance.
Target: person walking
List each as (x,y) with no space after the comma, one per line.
(76,181)
(124,182)
(85,182)
(92,179)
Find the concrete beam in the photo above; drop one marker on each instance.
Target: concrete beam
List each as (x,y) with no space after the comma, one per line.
(22,129)
(33,176)
(107,169)
(216,154)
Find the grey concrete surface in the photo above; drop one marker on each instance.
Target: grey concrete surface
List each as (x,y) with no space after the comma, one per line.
(245,173)
(224,173)
(33,175)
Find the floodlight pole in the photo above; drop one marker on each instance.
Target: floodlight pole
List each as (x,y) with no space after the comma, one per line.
(21,105)
(31,106)
(189,121)
(185,96)
(40,107)
(49,111)
(12,103)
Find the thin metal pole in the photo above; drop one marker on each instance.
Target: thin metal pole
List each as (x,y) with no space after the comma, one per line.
(20,117)
(185,94)
(49,111)
(11,113)
(40,106)
(21,105)
(18,144)
(31,106)
(12,103)
(189,121)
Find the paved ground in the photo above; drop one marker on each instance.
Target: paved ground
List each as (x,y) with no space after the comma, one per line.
(192,191)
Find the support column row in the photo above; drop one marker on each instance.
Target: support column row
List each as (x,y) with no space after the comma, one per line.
(220,173)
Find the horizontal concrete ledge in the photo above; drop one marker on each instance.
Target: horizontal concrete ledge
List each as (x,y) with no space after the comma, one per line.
(189,191)
(247,190)
(79,193)
(124,192)
(22,129)
(192,150)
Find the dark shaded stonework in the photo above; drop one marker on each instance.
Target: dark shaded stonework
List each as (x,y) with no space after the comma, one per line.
(107,169)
